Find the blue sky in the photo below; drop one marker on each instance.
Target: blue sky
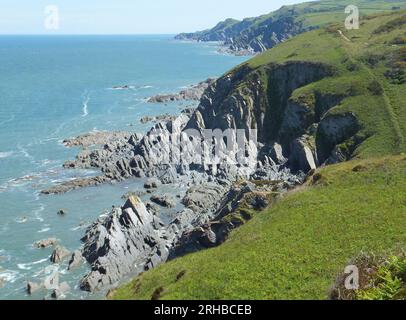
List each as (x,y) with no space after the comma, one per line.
(127,16)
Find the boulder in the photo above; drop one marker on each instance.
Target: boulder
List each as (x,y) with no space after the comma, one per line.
(302,157)
(61,291)
(46,243)
(61,212)
(163,201)
(152,184)
(75,260)
(51,282)
(59,254)
(33,287)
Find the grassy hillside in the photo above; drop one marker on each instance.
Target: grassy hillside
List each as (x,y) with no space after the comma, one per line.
(370,74)
(287,21)
(295,249)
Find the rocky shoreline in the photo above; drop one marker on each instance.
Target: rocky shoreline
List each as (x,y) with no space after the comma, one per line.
(193,92)
(219,196)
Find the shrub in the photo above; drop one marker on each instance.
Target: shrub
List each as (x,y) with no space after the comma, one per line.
(375,88)
(379,279)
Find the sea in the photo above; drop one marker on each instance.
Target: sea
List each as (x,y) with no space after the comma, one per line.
(57,87)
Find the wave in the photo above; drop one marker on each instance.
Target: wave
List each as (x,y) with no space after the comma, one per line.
(37,213)
(12,117)
(26,154)
(28,266)
(85,110)
(44,230)
(6,154)
(9,275)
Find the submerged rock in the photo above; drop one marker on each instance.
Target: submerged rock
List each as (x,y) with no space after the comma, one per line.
(46,243)
(61,212)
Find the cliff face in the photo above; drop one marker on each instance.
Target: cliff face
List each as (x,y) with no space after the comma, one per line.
(254,35)
(288,128)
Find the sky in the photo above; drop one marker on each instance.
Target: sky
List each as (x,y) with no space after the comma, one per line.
(125,16)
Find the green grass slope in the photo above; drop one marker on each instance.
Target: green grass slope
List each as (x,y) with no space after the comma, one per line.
(371,76)
(296,248)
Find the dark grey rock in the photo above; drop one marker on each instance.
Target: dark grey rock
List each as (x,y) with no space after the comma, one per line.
(163,201)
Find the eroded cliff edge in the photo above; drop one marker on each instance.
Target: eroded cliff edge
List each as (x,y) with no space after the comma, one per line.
(294,137)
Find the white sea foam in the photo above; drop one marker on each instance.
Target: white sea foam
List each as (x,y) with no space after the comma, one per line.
(43,230)
(37,213)
(6,154)
(21,220)
(85,110)
(28,266)
(9,276)
(12,117)
(26,154)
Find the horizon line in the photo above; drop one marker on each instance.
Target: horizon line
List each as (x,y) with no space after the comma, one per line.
(88,34)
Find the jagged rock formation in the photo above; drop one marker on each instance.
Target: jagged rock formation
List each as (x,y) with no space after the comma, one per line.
(252,34)
(131,239)
(262,99)
(292,135)
(191,93)
(116,245)
(288,128)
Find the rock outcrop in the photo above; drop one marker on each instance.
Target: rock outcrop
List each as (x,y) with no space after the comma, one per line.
(45,243)
(59,254)
(96,138)
(120,244)
(191,93)
(293,135)
(75,260)
(132,239)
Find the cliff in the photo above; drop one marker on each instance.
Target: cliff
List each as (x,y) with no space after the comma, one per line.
(325,97)
(261,33)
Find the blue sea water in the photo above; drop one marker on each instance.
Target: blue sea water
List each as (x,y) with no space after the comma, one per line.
(56,87)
